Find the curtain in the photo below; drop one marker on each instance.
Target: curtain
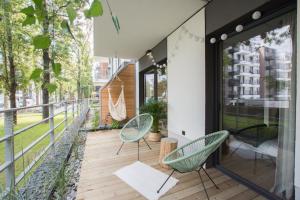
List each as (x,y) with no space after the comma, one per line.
(285,163)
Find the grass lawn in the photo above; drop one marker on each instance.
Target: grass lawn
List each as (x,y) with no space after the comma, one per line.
(26,138)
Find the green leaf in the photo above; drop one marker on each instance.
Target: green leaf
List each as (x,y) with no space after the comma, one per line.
(38,3)
(36,74)
(65,26)
(28,11)
(96,9)
(39,10)
(87,13)
(116,23)
(41,42)
(30,19)
(71,13)
(56,67)
(51,87)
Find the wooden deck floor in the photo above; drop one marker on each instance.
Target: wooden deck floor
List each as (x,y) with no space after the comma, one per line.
(100,162)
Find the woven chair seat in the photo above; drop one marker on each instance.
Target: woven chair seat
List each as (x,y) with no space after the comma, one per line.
(192,155)
(136,128)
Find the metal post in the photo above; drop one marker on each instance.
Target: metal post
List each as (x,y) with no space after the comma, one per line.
(9,149)
(66,115)
(51,124)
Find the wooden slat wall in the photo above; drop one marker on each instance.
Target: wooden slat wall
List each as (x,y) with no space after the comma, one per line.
(127,75)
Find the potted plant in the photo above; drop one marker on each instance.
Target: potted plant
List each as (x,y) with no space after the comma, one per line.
(158,110)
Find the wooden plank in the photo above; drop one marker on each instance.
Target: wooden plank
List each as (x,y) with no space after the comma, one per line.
(100,162)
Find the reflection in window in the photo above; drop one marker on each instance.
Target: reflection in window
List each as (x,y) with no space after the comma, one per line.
(149,86)
(259,105)
(162,86)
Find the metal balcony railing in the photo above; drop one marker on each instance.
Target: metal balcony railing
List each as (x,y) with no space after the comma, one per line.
(78,111)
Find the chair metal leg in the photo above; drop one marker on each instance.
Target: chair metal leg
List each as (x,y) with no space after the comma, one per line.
(203,185)
(138,149)
(147,143)
(210,178)
(165,181)
(120,148)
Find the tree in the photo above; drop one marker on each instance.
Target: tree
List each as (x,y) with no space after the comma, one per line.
(54,17)
(14,41)
(8,47)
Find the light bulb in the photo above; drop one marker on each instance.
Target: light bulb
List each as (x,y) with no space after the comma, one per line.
(224,36)
(212,40)
(239,28)
(256,15)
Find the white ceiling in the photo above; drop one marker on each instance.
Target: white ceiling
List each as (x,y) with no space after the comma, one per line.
(144,23)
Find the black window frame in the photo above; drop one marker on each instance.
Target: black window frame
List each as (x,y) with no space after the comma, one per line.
(214,81)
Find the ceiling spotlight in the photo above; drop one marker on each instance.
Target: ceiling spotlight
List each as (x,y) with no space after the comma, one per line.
(212,40)
(256,15)
(239,28)
(153,60)
(149,52)
(164,65)
(224,36)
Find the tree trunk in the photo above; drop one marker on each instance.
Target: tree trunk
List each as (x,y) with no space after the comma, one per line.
(24,93)
(37,95)
(60,93)
(12,67)
(6,101)
(78,75)
(46,65)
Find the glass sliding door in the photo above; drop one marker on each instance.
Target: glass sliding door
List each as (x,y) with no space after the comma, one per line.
(258,104)
(149,85)
(162,86)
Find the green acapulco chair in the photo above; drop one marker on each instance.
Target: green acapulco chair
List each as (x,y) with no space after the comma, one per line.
(193,155)
(135,130)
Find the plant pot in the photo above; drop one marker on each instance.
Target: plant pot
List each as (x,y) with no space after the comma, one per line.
(154,137)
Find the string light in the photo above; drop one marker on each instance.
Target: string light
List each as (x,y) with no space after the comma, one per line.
(189,34)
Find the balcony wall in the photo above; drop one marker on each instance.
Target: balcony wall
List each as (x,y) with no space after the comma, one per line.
(186,80)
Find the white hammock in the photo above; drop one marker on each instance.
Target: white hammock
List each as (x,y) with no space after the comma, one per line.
(118,110)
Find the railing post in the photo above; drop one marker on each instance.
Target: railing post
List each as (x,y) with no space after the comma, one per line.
(9,149)
(51,123)
(66,115)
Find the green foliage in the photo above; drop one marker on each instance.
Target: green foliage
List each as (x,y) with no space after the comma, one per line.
(56,67)
(96,119)
(71,13)
(116,23)
(115,124)
(158,110)
(95,10)
(30,20)
(41,41)
(51,87)
(36,74)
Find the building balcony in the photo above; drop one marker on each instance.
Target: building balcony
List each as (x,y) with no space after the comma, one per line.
(233,82)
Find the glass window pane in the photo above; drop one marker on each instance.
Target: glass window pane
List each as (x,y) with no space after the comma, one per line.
(258,104)
(149,86)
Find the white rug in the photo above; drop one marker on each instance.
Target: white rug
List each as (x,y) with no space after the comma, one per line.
(146,180)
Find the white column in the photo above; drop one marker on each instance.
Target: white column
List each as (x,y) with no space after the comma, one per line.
(297,149)
(137,91)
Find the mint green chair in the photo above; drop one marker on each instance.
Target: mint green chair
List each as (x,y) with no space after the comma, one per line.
(135,130)
(193,155)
